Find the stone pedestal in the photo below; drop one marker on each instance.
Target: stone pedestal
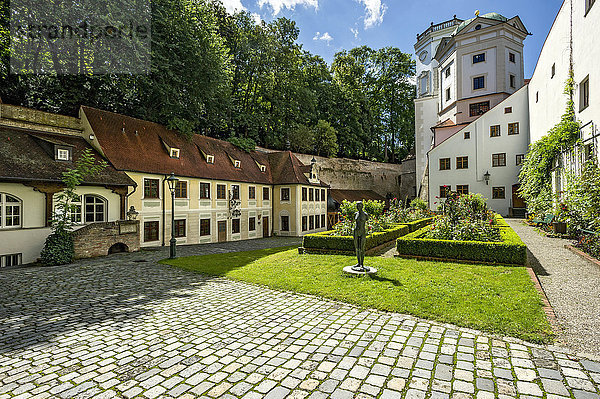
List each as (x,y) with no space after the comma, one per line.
(350,270)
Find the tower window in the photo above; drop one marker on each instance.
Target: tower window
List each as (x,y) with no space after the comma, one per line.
(511,57)
(478,83)
(478,58)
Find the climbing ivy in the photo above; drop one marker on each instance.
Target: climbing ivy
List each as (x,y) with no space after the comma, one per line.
(536,174)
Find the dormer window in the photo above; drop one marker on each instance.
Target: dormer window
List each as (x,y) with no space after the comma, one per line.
(174,153)
(237,164)
(263,168)
(63,154)
(210,159)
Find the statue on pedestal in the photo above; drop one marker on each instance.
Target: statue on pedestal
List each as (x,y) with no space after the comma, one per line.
(360,237)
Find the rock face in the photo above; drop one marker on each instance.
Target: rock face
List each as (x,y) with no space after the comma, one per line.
(397,180)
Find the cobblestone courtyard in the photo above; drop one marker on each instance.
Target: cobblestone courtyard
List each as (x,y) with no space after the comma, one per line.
(121,327)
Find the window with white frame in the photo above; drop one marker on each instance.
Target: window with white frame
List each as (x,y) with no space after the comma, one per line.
(62,154)
(174,153)
(11,209)
(94,209)
(73,209)
(210,159)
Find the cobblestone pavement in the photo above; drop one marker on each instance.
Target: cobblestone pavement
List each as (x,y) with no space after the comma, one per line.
(117,327)
(571,284)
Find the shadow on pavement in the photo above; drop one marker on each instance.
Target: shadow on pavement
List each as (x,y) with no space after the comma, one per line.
(536,265)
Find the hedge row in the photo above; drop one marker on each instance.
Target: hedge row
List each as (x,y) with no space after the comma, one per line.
(510,251)
(500,222)
(419,224)
(325,240)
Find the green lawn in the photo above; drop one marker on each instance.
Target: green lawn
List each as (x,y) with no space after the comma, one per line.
(497,299)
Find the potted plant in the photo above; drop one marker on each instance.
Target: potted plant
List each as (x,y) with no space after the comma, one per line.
(560,224)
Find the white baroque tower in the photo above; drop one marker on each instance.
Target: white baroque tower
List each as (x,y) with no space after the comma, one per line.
(464,68)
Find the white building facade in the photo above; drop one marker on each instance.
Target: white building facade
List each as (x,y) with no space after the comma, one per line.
(485,156)
(575,35)
(427,101)
(477,67)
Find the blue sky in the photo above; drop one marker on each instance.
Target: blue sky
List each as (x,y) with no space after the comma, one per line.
(328,26)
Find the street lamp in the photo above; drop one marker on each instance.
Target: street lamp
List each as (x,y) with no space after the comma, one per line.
(486,177)
(172,182)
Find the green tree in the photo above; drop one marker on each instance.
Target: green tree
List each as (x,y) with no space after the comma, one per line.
(58,248)
(325,138)
(301,139)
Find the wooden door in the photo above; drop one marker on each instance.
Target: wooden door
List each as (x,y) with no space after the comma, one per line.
(518,202)
(265,223)
(222,228)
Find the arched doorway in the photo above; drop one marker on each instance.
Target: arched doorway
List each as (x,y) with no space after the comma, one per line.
(118,248)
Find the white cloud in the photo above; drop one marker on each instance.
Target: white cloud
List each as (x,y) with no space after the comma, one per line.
(326,37)
(354,32)
(233,5)
(278,5)
(256,17)
(375,10)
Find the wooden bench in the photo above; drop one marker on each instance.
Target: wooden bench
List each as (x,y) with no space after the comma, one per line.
(545,221)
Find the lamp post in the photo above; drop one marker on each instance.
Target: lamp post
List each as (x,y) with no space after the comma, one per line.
(172,182)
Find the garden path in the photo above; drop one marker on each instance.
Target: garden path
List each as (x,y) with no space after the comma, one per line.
(571,284)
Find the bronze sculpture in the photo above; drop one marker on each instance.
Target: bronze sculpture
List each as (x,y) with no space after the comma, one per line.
(360,237)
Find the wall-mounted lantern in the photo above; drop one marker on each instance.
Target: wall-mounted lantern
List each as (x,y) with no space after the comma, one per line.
(486,177)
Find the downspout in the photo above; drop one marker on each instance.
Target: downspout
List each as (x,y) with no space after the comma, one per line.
(127,199)
(163,211)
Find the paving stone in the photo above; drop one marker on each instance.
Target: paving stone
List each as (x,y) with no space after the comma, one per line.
(415,394)
(278,393)
(550,373)
(528,388)
(585,395)
(581,384)
(554,387)
(484,384)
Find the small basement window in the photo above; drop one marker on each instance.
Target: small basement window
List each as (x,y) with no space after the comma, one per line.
(174,153)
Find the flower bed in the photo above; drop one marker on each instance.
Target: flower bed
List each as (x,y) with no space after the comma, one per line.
(326,243)
(510,250)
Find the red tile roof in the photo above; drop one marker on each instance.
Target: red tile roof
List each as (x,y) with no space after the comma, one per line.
(136,145)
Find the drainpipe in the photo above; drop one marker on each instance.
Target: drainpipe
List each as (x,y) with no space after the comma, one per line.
(163,211)
(127,199)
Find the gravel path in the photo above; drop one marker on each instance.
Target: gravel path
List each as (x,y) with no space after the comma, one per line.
(572,286)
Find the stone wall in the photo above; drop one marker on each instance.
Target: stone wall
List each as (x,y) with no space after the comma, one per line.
(28,118)
(97,239)
(395,180)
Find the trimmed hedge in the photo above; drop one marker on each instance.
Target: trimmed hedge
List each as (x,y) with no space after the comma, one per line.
(419,224)
(510,251)
(325,241)
(500,222)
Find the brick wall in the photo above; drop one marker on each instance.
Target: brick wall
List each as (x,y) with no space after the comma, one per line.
(97,238)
